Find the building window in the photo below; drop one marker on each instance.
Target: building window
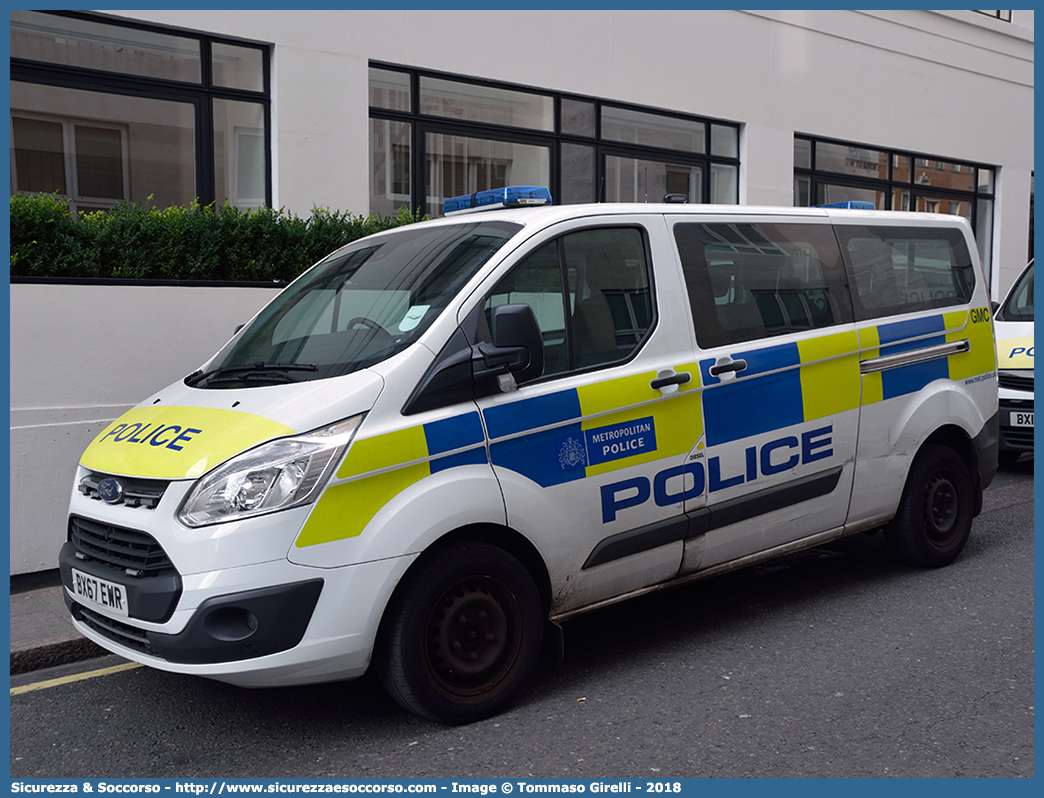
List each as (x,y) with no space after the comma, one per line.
(437,136)
(104,111)
(835,171)
(1002,15)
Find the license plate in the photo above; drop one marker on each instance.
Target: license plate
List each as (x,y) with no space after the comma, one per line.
(100,592)
(1020,419)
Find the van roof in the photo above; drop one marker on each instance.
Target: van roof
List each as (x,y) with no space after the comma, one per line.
(550,214)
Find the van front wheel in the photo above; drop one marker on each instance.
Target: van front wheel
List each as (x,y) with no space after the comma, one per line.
(462,635)
(935,512)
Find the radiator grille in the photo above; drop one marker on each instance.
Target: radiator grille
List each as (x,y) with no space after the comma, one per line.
(136,492)
(1016,380)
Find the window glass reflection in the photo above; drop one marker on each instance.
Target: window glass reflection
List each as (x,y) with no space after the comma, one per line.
(95,149)
(389,89)
(943,174)
(634,180)
(851,160)
(453,100)
(390,187)
(725,141)
(97,45)
(724,184)
(578,174)
(985,180)
(827,194)
(653,130)
(237,67)
(802,154)
(578,118)
(239,153)
(458,165)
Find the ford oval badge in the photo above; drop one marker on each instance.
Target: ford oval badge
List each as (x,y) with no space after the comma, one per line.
(111,490)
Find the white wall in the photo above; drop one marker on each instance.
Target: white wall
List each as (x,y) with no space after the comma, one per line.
(82,355)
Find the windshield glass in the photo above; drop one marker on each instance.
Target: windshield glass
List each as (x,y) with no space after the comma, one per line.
(1019,304)
(359,306)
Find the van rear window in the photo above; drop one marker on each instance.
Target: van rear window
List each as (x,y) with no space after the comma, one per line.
(903,269)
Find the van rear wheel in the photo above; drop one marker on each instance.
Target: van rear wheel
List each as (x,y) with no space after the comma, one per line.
(934,519)
(462,634)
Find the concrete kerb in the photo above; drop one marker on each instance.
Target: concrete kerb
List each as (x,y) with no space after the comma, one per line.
(42,634)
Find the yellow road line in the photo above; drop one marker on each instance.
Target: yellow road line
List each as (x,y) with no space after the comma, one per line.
(28,688)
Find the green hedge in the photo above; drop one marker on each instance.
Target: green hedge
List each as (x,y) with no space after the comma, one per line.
(200,242)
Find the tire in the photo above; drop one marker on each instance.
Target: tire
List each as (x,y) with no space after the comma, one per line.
(462,634)
(935,511)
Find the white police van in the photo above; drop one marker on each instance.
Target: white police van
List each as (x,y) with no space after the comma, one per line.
(1013,321)
(444,439)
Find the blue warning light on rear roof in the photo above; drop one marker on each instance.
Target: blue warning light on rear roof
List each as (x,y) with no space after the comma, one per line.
(508,197)
(858,205)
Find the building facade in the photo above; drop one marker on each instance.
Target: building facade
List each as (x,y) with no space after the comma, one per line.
(370,111)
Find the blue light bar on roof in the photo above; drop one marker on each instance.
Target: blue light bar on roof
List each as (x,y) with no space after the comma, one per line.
(858,205)
(509,197)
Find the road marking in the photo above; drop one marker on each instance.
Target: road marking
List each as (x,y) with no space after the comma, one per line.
(28,688)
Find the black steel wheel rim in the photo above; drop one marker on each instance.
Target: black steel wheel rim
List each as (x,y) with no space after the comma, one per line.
(941,509)
(474,635)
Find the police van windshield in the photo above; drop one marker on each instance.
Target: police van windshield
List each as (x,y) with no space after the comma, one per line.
(357,307)
(1019,304)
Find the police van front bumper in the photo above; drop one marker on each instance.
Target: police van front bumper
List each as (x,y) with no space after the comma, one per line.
(239,626)
(312,625)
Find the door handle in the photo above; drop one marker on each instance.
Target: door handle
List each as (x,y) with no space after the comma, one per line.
(732,365)
(679,378)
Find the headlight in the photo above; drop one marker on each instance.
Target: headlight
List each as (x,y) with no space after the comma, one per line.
(275,476)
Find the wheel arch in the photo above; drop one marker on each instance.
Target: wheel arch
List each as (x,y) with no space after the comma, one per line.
(502,537)
(955,438)
(514,543)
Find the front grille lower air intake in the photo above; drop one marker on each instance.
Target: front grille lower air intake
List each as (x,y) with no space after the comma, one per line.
(130,550)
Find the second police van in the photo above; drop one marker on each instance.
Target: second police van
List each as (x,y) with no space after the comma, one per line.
(443,440)
(1013,322)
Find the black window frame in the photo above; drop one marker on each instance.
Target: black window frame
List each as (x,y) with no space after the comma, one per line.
(422,124)
(200,95)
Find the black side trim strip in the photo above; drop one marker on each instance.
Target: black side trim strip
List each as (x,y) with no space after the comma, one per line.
(704,519)
(635,541)
(765,501)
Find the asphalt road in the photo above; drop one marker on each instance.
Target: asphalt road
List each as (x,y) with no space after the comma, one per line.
(830,663)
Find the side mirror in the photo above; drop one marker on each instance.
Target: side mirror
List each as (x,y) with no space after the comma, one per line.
(517,347)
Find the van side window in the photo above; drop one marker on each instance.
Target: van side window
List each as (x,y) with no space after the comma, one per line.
(590,292)
(747,281)
(903,269)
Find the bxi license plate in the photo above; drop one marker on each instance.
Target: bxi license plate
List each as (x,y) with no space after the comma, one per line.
(100,592)
(1021,419)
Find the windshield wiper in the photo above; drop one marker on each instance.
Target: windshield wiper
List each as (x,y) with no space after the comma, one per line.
(196,377)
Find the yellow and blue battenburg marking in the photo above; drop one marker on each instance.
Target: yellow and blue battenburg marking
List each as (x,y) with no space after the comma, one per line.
(594,429)
(606,426)
(381,467)
(782,386)
(906,336)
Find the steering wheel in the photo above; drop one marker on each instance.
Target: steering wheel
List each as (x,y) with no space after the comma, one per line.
(370,324)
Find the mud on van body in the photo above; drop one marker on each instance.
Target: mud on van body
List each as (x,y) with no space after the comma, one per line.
(441,438)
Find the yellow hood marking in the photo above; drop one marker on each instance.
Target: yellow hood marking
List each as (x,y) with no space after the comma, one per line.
(1015,353)
(176,442)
